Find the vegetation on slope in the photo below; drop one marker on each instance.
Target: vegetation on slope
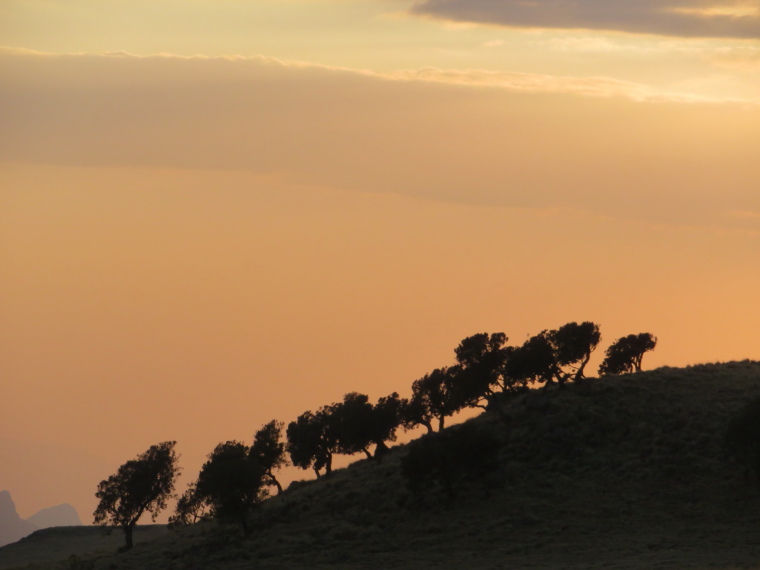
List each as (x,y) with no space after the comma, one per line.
(624,472)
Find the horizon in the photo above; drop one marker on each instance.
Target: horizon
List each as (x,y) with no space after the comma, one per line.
(224,213)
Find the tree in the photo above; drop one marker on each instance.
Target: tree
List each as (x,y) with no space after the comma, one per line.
(416,411)
(556,355)
(312,441)
(626,353)
(358,424)
(386,416)
(269,451)
(190,508)
(353,420)
(573,344)
(480,371)
(533,362)
(141,485)
(433,396)
(231,483)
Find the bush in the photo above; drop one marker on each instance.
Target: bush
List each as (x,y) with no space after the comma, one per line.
(743,437)
(449,461)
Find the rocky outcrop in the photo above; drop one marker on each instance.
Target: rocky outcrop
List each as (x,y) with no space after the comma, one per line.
(12,526)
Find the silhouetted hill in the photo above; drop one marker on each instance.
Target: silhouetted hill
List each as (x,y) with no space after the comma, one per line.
(60,515)
(622,472)
(44,547)
(12,526)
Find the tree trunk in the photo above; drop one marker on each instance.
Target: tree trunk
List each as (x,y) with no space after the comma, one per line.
(579,375)
(328,466)
(441,422)
(367,453)
(276,484)
(429,427)
(128,535)
(316,470)
(380,450)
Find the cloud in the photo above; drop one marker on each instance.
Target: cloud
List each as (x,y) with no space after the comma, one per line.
(737,58)
(681,18)
(540,83)
(465,136)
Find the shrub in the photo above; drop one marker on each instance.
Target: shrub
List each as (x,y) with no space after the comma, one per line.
(449,461)
(743,437)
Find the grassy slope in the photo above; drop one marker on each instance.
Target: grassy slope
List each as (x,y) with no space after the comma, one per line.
(51,544)
(623,472)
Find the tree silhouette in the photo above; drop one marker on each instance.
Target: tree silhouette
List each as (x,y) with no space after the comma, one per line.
(358,424)
(557,355)
(141,485)
(415,411)
(533,362)
(573,344)
(352,420)
(269,451)
(480,371)
(231,483)
(386,420)
(433,397)
(190,508)
(312,441)
(626,353)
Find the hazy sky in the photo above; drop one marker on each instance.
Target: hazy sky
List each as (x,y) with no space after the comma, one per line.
(216,213)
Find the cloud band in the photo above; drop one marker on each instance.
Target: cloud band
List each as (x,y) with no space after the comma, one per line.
(681,18)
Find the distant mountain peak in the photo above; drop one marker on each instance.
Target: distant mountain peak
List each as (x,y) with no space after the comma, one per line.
(12,526)
(7,507)
(59,515)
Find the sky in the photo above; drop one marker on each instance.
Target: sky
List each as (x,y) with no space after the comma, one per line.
(218,213)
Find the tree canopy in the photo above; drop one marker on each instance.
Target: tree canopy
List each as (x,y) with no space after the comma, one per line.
(312,441)
(387,418)
(358,424)
(480,368)
(433,397)
(626,353)
(533,362)
(557,355)
(142,485)
(230,483)
(269,451)
(573,344)
(352,421)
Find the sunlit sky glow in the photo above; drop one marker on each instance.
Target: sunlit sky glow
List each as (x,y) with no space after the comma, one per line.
(216,213)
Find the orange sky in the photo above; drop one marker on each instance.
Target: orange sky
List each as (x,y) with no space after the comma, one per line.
(193,245)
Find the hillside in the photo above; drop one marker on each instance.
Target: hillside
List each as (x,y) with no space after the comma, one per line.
(623,472)
(69,543)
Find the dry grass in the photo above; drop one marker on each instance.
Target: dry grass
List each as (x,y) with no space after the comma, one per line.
(615,473)
(74,543)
